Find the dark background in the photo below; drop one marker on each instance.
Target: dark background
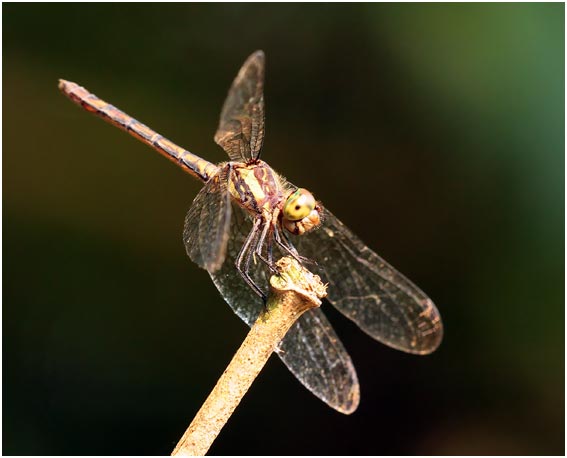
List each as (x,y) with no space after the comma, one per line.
(436,132)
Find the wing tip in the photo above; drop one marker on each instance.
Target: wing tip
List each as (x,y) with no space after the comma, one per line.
(427,344)
(352,401)
(431,340)
(431,344)
(349,402)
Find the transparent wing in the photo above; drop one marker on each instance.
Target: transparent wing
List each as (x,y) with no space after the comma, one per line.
(241,127)
(245,303)
(366,289)
(207,223)
(311,349)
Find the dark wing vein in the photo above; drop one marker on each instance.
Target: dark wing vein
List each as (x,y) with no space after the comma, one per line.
(207,223)
(311,348)
(241,127)
(379,299)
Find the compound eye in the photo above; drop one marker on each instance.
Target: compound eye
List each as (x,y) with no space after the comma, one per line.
(298,205)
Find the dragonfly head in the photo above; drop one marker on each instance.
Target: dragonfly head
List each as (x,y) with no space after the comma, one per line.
(300,212)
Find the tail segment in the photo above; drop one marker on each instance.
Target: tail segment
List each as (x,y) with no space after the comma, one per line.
(191,163)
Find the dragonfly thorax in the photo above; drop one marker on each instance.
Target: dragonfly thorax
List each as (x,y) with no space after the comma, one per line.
(256,186)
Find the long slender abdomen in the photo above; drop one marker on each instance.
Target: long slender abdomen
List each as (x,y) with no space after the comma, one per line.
(191,163)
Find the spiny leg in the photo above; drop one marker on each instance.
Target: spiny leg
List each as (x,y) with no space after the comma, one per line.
(246,270)
(289,248)
(253,251)
(269,250)
(245,249)
(260,245)
(292,251)
(288,241)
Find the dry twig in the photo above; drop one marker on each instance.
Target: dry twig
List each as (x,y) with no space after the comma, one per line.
(294,290)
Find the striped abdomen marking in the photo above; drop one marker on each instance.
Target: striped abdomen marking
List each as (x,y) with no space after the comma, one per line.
(191,163)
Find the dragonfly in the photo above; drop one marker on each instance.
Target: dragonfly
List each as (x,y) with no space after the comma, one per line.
(247,215)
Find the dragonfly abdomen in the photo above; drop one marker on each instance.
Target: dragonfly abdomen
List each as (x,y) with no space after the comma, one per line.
(191,163)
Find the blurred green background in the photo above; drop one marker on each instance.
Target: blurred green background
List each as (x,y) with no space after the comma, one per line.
(435,131)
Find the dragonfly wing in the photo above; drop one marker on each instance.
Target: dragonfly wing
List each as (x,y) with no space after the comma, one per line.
(366,289)
(314,354)
(311,349)
(242,299)
(241,127)
(207,223)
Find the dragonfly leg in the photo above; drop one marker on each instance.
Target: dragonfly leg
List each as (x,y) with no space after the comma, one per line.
(260,245)
(289,248)
(246,251)
(269,250)
(288,241)
(303,258)
(245,272)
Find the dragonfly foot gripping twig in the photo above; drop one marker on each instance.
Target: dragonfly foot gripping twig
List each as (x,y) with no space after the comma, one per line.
(294,290)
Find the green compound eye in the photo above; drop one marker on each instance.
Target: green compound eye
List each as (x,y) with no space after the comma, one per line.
(298,205)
